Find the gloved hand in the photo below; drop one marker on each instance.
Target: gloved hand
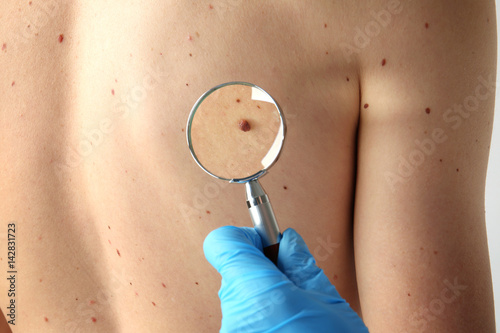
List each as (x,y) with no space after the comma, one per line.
(256,296)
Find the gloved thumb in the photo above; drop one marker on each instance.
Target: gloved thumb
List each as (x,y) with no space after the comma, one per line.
(236,253)
(298,264)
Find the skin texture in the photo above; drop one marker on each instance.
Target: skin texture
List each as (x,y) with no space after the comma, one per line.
(110,239)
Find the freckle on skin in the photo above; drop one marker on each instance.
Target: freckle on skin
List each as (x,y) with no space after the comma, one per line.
(383,62)
(190,54)
(428,110)
(208,212)
(435,252)
(366,106)
(196,283)
(244,125)
(238,100)
(154,304)
(61,38)
(13,83)
(4,46)
(326,25)
(335,277)
(440,160)
(210,6)
(426,25)
(164,286)
(421,248)
(409,294)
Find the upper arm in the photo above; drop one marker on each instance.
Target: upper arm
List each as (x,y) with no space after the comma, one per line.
(420,239)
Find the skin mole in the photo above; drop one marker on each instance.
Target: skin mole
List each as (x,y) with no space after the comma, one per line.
(244,125)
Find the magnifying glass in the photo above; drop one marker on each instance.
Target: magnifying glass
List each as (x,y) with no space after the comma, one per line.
(235,132)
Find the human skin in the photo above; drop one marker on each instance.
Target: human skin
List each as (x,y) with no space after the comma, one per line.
(111,210)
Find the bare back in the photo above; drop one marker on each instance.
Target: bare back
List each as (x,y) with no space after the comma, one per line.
(110,210)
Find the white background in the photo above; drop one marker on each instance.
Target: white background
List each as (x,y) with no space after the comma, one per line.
(493,199)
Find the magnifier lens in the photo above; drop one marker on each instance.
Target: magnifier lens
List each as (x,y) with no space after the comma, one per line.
(236,130)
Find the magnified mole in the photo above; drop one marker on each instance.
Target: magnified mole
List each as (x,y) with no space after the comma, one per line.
(244,125)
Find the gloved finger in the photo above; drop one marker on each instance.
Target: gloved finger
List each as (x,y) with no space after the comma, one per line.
(236,253)
(300,267)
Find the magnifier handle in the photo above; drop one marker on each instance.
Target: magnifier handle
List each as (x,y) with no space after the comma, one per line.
(263,219)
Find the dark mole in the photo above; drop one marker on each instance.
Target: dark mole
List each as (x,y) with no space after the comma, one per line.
(383,62)
(347,78)
(258,106)
(409,294)
(284,187)
(196,283)
(187,84)
(130,283)
(109,227)
(238,100)
(428,110)
(458,170)
(244,125)
(366,106)
(440,160)
(208,212)
(326,25)
(426,25)
(61,37)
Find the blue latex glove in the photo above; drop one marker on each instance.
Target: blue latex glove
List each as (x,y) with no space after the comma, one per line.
(256,296)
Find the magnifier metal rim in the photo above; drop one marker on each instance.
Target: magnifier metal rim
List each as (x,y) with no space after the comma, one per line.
(190,121)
